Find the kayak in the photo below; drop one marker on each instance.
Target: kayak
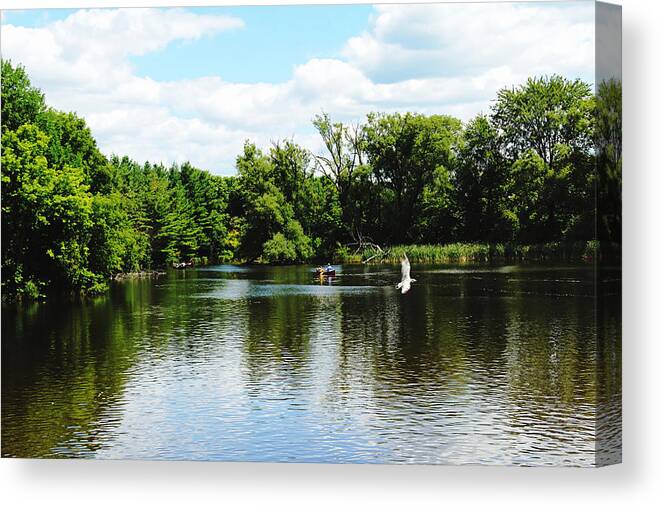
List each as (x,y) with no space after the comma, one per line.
(325,272)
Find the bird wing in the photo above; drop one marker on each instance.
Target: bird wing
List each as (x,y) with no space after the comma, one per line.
(406,268)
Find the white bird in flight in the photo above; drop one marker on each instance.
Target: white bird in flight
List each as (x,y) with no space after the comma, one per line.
(405,284)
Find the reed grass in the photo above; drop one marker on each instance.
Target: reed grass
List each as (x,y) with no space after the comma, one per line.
(457,253)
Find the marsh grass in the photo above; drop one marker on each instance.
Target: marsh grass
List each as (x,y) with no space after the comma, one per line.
(457,253)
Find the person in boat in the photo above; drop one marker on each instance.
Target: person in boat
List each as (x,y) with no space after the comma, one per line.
(328,270)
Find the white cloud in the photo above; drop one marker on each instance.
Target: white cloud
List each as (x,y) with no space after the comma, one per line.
(405,41)
(428,58)
(90,48)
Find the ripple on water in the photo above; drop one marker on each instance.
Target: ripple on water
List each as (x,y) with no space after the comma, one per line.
(266,365)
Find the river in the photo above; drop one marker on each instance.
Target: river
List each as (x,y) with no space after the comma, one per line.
(475,365)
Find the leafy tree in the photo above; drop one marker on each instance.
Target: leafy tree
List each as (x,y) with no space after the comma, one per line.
(290,164)
(525,191)
(481,181)
(549,118)
(271,191)
(178,232)
(21,102)
(321,216)
(438,214)
(345,146)
(71,143)
(288,246)
(116,244)
(608,142)
(405,152)
(46,218)
(209,197)
(260,202)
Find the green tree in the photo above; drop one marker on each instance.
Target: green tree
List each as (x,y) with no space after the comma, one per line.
(321,216)
(290,164)
(288,246)
(267,219)
(178,232)
(345,147)
(548,123)
(608,142)
(481,183)
(405,152)
(209,197)
(71,143)
(438,216)
(21,102)
(116,243)
(46,219)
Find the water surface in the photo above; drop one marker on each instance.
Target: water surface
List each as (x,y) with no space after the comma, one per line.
(494,365)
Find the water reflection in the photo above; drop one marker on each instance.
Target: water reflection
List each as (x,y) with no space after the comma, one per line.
(225,363)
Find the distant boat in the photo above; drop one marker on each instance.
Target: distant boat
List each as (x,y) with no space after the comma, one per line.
(182,265)
(324,272)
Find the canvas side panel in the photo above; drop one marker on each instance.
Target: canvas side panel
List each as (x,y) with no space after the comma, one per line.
(608,231)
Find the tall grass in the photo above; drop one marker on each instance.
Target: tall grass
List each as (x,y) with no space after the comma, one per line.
(477,253)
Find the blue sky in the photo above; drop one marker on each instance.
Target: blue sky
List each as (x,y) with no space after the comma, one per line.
(194,84)
(34,17)
(274,39)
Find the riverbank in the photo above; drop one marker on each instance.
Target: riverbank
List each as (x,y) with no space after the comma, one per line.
(579,251)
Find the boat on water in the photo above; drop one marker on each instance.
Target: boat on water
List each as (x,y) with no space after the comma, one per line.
(324,272)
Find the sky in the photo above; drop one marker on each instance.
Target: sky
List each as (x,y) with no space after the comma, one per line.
(193,84)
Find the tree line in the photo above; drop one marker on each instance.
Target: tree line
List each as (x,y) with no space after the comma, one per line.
(522,174)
